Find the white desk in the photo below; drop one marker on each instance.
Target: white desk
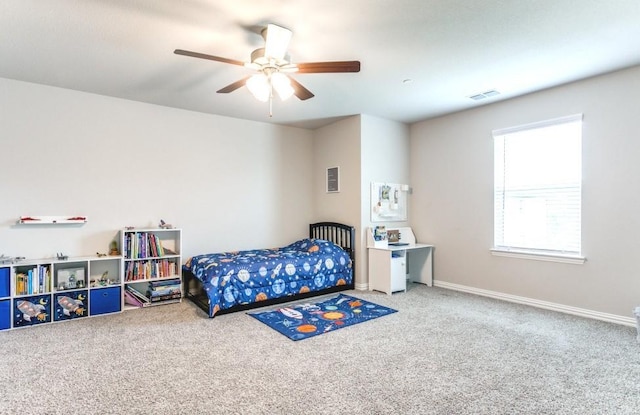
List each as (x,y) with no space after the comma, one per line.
(390,266)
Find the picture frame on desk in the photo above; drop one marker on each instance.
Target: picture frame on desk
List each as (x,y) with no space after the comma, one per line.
(393,235)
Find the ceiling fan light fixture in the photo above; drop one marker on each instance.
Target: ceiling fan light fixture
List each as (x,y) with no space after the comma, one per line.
(282,84)
(259,87)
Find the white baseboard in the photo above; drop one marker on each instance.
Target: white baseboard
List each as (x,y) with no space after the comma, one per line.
(362,286)
(582,312)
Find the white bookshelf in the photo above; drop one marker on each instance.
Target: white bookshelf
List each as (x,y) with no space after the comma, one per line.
(152,260)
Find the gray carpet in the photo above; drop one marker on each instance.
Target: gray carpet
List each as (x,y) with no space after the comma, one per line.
(444,352)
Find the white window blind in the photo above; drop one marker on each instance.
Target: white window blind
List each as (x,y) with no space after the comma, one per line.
(538,187)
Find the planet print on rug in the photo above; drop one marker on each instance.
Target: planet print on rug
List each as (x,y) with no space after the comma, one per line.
(304,320)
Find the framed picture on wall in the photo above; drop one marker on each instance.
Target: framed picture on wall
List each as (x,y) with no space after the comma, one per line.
(333,179)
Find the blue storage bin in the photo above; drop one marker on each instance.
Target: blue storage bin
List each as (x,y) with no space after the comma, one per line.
(5,314)
(105,300)
(5,282)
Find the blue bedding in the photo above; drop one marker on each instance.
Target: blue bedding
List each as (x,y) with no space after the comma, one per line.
(244,277)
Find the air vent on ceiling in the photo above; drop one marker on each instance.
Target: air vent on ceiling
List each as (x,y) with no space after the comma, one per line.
(483,95)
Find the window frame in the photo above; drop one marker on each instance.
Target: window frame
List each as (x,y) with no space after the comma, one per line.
(534,253)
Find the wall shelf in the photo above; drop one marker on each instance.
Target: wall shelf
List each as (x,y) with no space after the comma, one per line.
(51,220)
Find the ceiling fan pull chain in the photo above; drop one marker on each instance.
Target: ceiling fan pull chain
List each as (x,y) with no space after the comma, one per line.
(271,103)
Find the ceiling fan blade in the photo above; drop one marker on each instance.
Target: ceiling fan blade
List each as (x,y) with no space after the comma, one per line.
(276,41)
(209,57)
(301,92)
(232,87)
(326,67)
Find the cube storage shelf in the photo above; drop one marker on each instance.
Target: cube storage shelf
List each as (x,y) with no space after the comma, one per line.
(41,291)
(34,292)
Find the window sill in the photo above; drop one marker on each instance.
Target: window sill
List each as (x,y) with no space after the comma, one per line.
(567,259)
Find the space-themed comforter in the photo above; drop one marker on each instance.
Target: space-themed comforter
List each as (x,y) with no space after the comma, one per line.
(243,277)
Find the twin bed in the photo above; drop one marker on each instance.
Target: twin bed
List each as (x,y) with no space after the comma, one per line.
(226,282)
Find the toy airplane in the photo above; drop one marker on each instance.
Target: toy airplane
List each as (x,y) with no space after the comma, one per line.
(10,259)
(164,225)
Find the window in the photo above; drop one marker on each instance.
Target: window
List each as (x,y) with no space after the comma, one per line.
(538,188)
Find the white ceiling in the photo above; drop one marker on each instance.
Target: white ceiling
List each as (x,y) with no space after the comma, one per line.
(450,49)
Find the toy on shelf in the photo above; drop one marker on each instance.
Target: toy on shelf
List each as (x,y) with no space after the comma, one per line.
(103,281)
(8,259)
(164,225)
(113,249)
(61,257)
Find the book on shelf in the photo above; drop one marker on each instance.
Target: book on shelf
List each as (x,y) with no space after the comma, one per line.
(132,299)
(36,280)
(21,279)
(162,298)
(166,291)
(171,287)
(140,245)
(379,236)
(30,289)
(159,283)
(136,293)
(135,298)
(380,233)
(164,288)
(153,245)
(150,269)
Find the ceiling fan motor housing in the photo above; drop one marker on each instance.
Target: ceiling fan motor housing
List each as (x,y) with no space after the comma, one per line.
(258,57)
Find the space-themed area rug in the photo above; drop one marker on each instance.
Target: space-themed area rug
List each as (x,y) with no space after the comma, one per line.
(304,320)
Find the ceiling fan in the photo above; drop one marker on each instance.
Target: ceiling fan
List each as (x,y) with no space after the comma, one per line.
(272,64)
